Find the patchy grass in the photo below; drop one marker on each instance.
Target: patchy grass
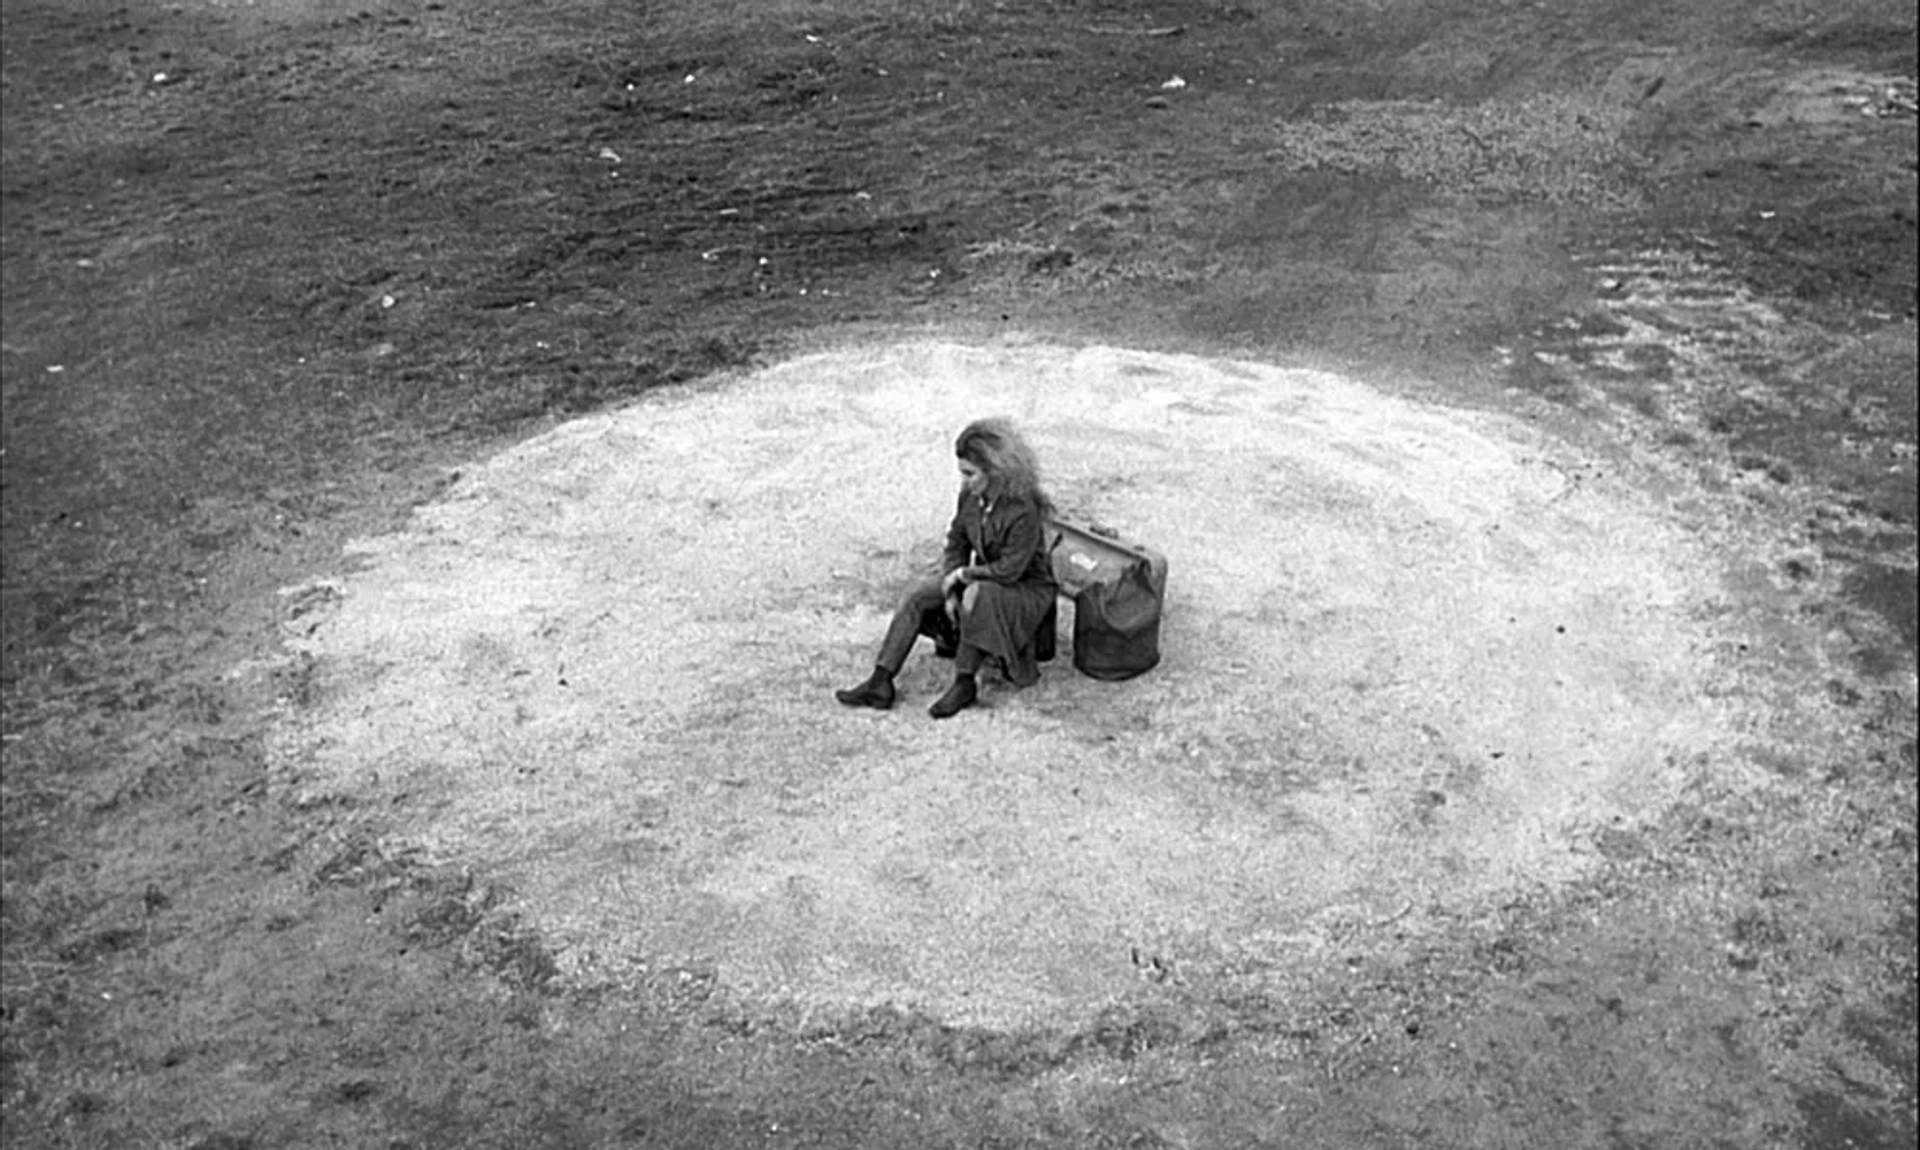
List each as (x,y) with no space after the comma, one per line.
(272,271)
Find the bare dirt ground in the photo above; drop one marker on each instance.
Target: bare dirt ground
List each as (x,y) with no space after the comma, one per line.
(288,286)
(595,669)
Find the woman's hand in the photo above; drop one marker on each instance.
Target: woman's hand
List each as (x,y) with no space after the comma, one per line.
(952,587)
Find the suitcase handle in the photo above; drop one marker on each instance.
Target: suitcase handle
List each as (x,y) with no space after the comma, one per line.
(1062,530)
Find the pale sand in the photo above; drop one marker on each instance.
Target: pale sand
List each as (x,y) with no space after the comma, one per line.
(1412,658)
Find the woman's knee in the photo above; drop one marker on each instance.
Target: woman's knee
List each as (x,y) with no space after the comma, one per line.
(922,595)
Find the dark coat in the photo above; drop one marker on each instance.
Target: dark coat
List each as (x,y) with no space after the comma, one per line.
(1005,546)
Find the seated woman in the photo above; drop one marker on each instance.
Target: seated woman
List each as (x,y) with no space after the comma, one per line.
(996,586)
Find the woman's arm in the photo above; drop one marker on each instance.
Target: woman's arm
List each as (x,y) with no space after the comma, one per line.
(1024,535)
(959,550)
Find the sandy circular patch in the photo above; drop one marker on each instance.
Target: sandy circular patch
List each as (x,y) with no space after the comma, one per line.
(1410,657)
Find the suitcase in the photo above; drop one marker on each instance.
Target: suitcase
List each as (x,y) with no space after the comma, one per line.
(1118,588)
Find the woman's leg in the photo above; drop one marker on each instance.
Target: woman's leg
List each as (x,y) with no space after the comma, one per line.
(965,689)
(909,620)
(909,623)
(966,664)
(1009,624)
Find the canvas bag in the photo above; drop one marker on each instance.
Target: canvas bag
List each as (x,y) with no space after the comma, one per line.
(1118,588)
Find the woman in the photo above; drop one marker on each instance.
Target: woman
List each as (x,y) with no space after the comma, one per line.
(996,587)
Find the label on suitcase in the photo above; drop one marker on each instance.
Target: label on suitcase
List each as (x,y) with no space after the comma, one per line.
(1117,588)
(1084,555)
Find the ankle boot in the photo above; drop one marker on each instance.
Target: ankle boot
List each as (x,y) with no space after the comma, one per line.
(958,698)
(876,692)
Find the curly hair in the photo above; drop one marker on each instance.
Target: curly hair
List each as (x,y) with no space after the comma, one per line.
(1003,454)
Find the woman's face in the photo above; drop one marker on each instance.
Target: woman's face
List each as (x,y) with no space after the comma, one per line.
(972,478)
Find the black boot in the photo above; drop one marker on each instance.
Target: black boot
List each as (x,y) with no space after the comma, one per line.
(876,692)
(958,698)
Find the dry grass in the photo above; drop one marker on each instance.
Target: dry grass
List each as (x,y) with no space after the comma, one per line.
(603,667)
(1555,149)
(208,262)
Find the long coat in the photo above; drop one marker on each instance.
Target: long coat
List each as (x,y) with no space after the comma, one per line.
(1004,543)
